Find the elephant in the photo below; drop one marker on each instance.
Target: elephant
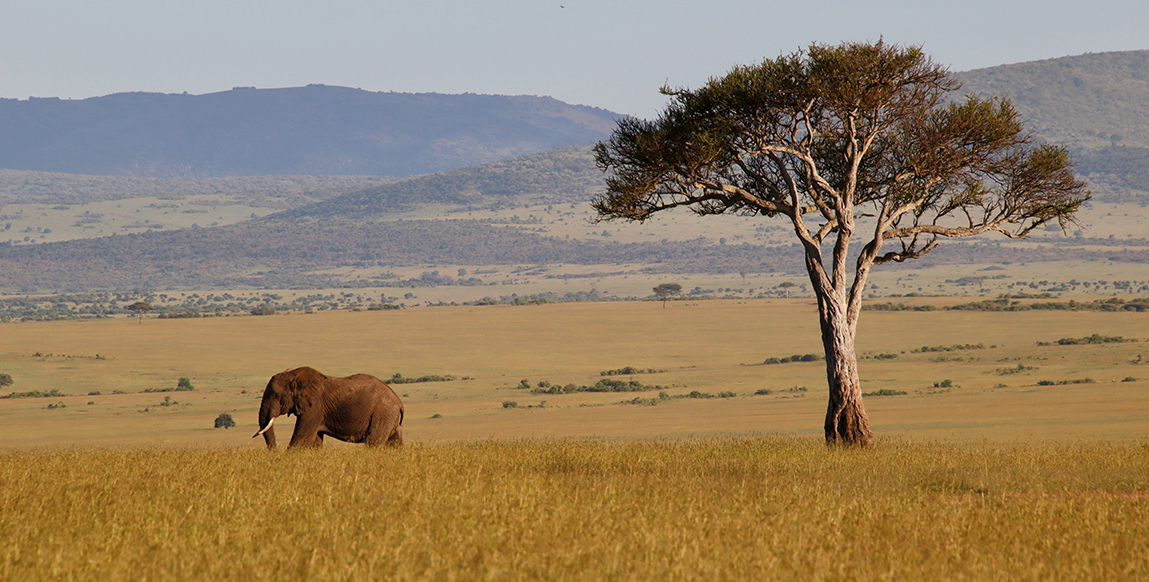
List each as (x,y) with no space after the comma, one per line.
(355,409)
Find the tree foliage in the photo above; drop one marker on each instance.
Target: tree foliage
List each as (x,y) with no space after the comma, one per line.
(224,420)
(843,141)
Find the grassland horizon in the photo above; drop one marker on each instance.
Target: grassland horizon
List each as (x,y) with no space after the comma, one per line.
(926,385)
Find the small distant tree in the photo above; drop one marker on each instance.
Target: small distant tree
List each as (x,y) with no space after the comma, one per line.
(785,286)
(224,421)
(184,385)
(666,290)
(854,143)
(140,308)
(5,380)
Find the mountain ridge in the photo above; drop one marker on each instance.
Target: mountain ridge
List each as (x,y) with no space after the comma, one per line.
(311,130)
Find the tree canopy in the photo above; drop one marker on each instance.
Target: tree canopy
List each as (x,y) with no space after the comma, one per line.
(842,140)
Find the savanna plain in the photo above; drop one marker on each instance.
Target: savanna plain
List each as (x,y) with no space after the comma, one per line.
(1003,453)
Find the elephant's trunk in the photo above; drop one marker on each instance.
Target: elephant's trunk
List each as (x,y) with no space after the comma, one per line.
(266,419)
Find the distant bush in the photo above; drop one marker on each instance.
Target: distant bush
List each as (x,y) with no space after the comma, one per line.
(953,348)
(263,310)
(1129,379)
(604,385)
(1065,382)
(727,394)
(510,404)
(398,378)
(1007,303)
(224,420)
(794,358)
(180,315)
(640,401)
(763,392)
(885,392)
(1092,339)
(56,405)
(896,307)
(436,415)
(5,380)
(629,370)
(183,385)
(886,357)
(383,307)
(35,394)
(1016,370)
(94,393)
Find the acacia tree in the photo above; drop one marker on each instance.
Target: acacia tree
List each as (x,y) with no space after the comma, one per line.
(849,141)
(664,291)
(139,308)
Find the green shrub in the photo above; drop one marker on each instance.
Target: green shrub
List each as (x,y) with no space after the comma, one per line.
(398,378)
(54,393)
(629,370)
(1019,369)
(5,380)
(885,392)
(953,348)
(510,404)
(1065,382)
(263,310)
(224,420)
(763,392)
(793,358)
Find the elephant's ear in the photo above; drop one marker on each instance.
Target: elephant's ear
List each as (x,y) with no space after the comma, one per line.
(305,389)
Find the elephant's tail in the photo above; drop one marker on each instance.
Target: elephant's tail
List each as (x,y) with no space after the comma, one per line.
(400,416)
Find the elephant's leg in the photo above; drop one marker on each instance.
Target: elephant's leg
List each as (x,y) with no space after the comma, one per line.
(396,437)
(306,433)
(383,428)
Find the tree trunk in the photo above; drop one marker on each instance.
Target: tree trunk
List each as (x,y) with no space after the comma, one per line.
(846,420)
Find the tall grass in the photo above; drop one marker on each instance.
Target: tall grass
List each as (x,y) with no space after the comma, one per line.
(760,508)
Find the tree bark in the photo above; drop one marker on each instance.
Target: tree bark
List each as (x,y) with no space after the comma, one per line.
(846,420)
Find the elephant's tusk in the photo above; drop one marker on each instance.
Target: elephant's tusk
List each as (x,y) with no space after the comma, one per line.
(269,423)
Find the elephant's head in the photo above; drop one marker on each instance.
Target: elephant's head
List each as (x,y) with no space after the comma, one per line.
(290,392)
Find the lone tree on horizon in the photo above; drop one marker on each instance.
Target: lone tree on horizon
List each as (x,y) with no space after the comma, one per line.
(139,308)
(846,141)
(665,290)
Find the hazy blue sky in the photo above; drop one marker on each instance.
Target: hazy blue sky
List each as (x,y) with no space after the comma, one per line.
(612,54)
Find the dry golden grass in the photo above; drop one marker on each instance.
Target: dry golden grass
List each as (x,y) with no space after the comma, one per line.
(711,346)
(749,508)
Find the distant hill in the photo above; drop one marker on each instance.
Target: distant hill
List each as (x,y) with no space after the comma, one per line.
(30,187)
(565,174)
(1095,104)
(313,130)
(279,254)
